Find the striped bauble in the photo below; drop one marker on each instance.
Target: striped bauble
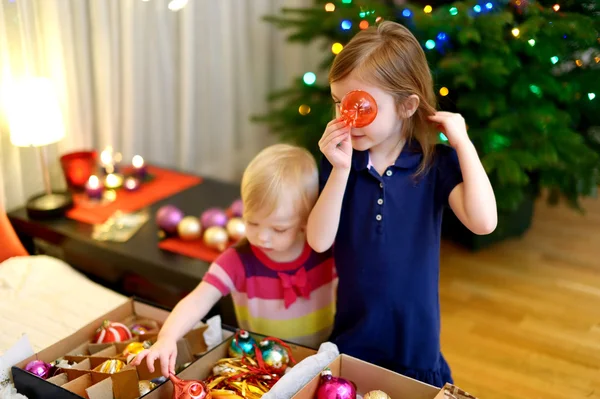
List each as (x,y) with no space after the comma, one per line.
(112,332)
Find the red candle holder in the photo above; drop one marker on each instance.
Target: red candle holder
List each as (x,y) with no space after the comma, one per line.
(78,167)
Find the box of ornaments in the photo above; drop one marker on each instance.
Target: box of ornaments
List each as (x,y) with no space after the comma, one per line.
(249,366)
(246,365)
(93,363)
(349,378)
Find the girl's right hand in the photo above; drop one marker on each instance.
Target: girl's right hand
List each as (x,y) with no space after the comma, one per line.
(164,349)
(336,144)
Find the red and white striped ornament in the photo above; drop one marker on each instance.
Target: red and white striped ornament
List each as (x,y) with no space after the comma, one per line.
(112,332)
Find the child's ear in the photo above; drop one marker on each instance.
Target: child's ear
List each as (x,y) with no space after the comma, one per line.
(409,106)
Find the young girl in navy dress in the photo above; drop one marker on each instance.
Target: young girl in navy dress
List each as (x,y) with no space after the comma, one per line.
(384,188)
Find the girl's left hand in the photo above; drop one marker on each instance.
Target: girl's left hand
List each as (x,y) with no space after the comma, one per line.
(453,126)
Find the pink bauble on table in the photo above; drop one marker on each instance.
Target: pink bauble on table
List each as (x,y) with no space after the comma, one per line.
(168,217)
(237,208)
(213,217)
(131,184)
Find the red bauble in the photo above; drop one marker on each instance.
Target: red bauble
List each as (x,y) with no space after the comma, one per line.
(358,108)
(189,389)
(331,387)
(112,332)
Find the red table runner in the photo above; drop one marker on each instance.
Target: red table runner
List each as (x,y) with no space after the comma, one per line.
(165,184)
(193,248)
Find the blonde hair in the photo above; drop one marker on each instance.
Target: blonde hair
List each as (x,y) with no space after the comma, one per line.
(390,57)
(277,170)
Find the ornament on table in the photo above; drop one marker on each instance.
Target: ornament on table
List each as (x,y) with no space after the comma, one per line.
(110,366)
(168,218)
(143,327)
(331,387)
(140,170)
(132,184)
(275,354)
(213,217)
(376,395)
(216,237)
(39,368)
(237,208)
(93,189)
(236,228)
(109,159)
(136,347)
(189,389)
(113,181)
(112,332)
(146,386)
(242,344)
(358,108)
(189,228)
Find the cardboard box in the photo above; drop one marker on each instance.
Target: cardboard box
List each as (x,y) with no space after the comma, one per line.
(369,377)
(202,368)
(82,381)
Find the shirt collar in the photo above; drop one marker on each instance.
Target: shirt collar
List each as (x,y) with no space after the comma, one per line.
(409,158)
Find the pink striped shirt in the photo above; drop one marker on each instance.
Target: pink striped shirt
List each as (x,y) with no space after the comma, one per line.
(294,301)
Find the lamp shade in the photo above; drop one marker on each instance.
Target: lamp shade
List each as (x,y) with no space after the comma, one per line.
(34,114)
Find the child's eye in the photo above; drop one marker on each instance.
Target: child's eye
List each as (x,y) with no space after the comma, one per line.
(252,224)
(280,230)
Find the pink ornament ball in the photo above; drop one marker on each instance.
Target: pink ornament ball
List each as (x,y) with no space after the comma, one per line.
(39,368)
(331,387)
(213,217)
(237,208)
(168,217)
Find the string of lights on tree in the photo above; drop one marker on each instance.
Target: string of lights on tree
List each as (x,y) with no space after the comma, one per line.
(437,42)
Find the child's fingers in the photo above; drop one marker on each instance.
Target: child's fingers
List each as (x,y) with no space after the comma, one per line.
(152,356)
(139,357)
(164,364)
(333,131)
(334,121)
(172,359)
(334,138)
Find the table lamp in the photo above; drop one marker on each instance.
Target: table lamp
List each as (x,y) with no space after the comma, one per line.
(35,120)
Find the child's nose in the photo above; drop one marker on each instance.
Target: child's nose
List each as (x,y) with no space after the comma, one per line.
(263,235)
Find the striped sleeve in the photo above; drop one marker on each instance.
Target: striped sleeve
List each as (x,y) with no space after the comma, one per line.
(226,273)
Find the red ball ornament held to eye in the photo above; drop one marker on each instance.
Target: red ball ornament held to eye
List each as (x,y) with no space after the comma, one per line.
(358,108)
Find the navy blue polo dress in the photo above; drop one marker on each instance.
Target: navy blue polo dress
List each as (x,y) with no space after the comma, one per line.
(387,253)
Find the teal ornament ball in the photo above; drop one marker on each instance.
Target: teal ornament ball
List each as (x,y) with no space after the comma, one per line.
(274,355)
(242,344)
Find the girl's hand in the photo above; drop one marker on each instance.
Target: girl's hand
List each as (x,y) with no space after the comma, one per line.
(336,145)
(165,350)
(453,126)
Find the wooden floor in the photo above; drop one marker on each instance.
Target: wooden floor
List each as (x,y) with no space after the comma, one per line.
(522,319)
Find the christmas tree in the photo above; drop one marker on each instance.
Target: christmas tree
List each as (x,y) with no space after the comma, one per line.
(524,74)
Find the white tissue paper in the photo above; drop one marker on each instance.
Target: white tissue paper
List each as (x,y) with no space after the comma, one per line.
(213,335)
(20,351)
(9,392)
(301,374)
